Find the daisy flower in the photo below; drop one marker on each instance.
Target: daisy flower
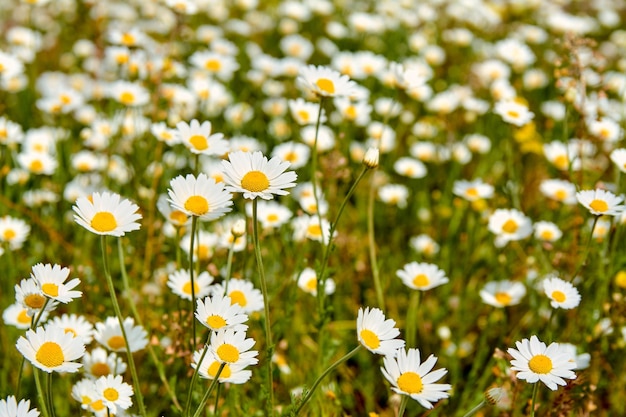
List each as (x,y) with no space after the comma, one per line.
(559,190)
(409,376)
(561,293)
(309,227)
(271,214)
(325,82)
(421,276)
(502,293)
(410,167)
(424,244)
(396,194)
(307,282)
(536,362)
(179,282)
(231,346)
(29,295)
(11,408)
(601,202)
(109,335)
(618,156)
(51,349)
(84,391)
(219,312)
(201,197)
(76,325)
(472,190)
(509,225)
(99,363)
(175,217)
(210,365)
(243,293)
(129,93)
(198,138)
(114,392)
(106,214)
(377,334)
(13,231)
(38,163)
(205,244)
(547,231)
(17,315)
(254,176)
(305,112)
(51,280)
(297,154)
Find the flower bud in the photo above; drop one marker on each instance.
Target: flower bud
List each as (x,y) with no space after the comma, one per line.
(370,159)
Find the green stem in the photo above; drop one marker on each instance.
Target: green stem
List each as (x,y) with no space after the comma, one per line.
(195,377)
(403,402)
(208,392)
(229,264)
(587,248)
(314,165)
(33,325)
(49,394)
(42,399)
(217,399)
(411,318)
(266,308)
(319,379)
(120,319)
(372,246)
(532,403)
(475,409)
(129,298)
(194,225)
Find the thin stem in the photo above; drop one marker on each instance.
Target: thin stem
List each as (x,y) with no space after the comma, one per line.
(314,164)
(208,392)
(33,325)
(475,409)
(266,308)
(229,264)
(217,399)
(587,248)
(49,394)
(194,225)
(319,379)
(133,308)
(42,402)
(120,319)
(372,246)
(532,403)
(403,402)
(195,376)
(411,318)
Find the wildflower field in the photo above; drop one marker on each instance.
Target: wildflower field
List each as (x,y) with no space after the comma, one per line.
(312,208)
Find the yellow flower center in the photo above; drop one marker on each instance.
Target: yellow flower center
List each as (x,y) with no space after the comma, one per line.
(370,339)
(36,166)
(272,218)
(100,369)
(204,252)
(104,221)
(197,205)
(178,217)
(410,382)
(50,289)
(50,354)
(128,39)
(238,297)
(34,300)
(547,235)
(503,298)
(304,115)
(620,279)
(311,285)
(314,230)
(540,364)
(215,322)
(228,353)
(213,65)
(561,162)
(512,113)
(326,85)
(351,112)
(255,181)
(127,98)
(215,367)
(560,195)
(558,296)
(68,330)
(599,205)
(97,405)
(421,280)
(8,234)
(24,318)
(510,226)
(111,394)
(116,342)
(199,142)
(471,192)
(187,288)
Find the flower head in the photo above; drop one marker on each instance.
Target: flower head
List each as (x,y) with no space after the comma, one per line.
(114,392)
(561,293)
(377,334)
(502,293)
(201,197)
(325,82)
(51,349)
(422,276)
(109,335)
(219,312)
(601,202)
(11,408)
(106,214)
(231,346)
(199,138)
(51,280)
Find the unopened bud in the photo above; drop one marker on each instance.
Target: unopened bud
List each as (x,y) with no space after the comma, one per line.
(239,228)
(370,159)
(495,395)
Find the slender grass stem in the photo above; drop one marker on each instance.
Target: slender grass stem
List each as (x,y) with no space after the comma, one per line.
(217,399)
(118,313)
(583,259)
(534,399)
(319,379)
(43,403)
(266,309)
(371,240)
(194,378)
(475,409)
(229,264)
(194,225)
(411,318)
(208,392)
(403,402)
(49,394)
(314,157)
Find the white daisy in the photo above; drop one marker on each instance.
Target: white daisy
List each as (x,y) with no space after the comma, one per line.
(17,315)
(547,231)
(199,139)
(536,362)
(509,225)
(109,335)
(325,82)
(307,282)
(13,231)
(51,349)
(377,334)
(231,346)
(472,190)
(422,276)
(201,197)
(11,408)
(601,202)
(210,365)
(99,363)
(561,293)
(241,292)
(77,325)
(618,156)
(297,154)
(114,392)
(502,293)
(179,282)
(219,312)
(51,280)
(106,214)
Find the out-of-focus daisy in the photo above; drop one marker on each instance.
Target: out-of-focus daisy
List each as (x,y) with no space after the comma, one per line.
(357,112)
(547,231)
(472,190)
(109,335)
(17,315)
(536,362)
(601,202)
(307,282)
(503,293)
(581,360)
(106,214)
(219,312)
(201,197)
(200,139)
(304,112)
(297,154)
(377,334)
(325,137)
(241,292)
(210,365)
(205,244)
(13,231)
(84,391)
(325,82)
(513,112)
(559,190)
(421,276)
(424,244)
(39,163)
(618,156)
(561,293)
(254,176)
(11,408)
(221,66)
(129,93)
(561,156)
(77,325)
(310,227)
(51,349)
(601,229)
(606,129)
(114,392)
(272,215)
(410,167)
(233,348)
(509,225)
(51,280)
(164,133)
(174,216)
(409,376)
(99,363)
(28,294)
(180,283)
(394,194)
